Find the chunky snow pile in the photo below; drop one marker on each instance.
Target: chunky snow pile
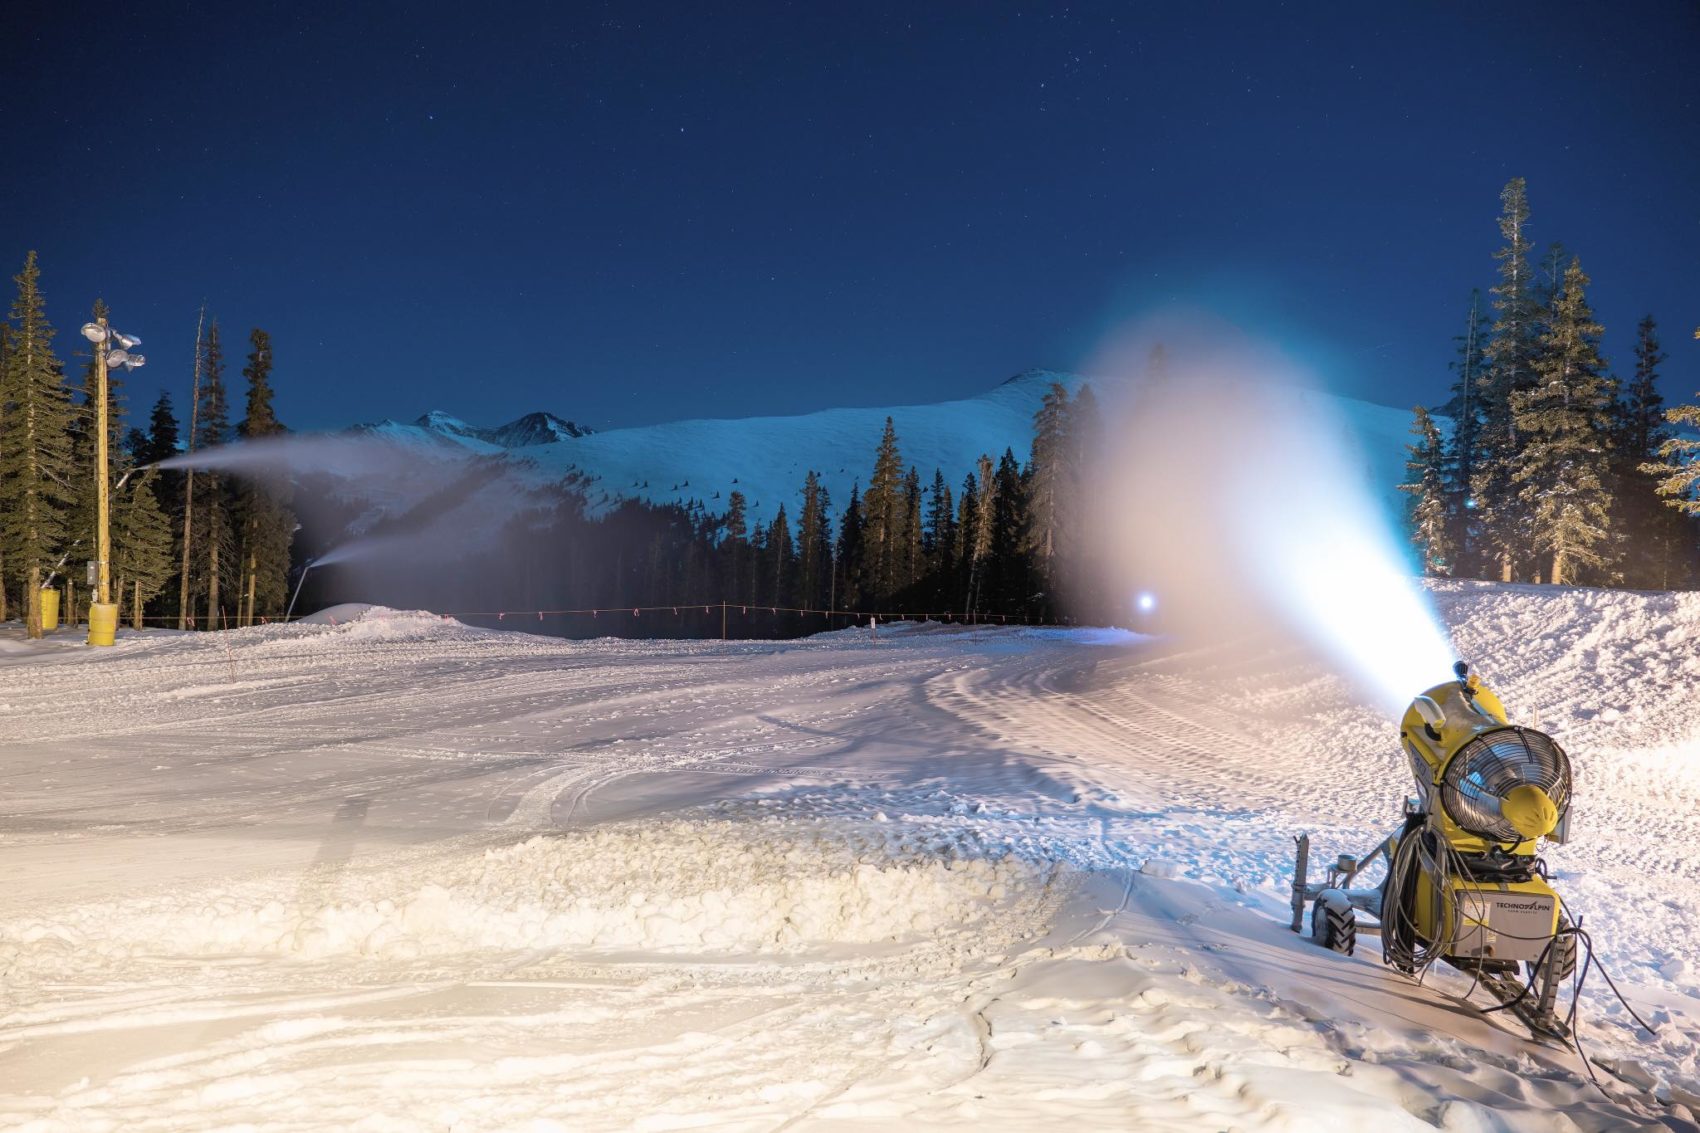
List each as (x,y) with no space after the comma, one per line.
(364,623)
(649,887)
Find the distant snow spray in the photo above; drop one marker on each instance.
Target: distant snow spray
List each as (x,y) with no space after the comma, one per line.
(311,563)
(400,516)
(1240,501)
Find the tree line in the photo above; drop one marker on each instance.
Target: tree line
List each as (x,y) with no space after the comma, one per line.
(1553,469)
(225,543)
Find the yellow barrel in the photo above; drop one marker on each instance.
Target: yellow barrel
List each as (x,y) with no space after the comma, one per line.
(103,623)
(49,609)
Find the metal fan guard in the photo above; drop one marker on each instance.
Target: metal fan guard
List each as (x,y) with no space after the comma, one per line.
(1486,769)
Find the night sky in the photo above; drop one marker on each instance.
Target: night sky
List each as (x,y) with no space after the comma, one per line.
(633,214)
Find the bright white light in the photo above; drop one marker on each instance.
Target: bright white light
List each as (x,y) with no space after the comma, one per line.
(1146,602)
(1327,556)
(117,358)
(127,341)
(94,332)
(1242,499)
(137,361)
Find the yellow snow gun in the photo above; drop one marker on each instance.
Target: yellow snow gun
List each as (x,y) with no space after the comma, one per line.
(1463,881)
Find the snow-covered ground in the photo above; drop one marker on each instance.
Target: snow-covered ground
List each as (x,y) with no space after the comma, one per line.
(387,872)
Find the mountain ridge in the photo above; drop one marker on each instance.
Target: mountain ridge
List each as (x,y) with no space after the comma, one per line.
(703,460)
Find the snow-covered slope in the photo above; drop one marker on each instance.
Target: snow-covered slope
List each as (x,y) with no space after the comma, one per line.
(387,871)
(766,458)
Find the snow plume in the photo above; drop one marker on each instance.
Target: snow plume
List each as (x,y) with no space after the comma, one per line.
(1240,503)
(398,521)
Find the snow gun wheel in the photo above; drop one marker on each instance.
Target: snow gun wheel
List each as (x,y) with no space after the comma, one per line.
(1333,925)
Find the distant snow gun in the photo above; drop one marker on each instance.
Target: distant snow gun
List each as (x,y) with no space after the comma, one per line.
(1463,882)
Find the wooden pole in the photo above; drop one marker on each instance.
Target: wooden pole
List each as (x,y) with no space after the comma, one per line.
(103,502)
(189,478)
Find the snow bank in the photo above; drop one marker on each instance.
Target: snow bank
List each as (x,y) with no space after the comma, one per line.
(659,887)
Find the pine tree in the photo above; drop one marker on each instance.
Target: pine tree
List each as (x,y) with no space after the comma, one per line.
(1678,467)
(1465,410)
(882,507)
(781,559)
(1565,425)
(35,445)
(911,566)
(162,432)
(264,519)
(1511,349)
(852,550)
(1053,475)
(141,545)
(824,591)
(5,338)
(1431,529)
(1010,576)
(1551,286)
(940,542)
(811,563)
(215,535)
(734,548)
(985,497)
(1652,540)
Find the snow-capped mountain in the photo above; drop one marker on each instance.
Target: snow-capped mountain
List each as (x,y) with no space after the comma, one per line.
(436,426)
(766,458)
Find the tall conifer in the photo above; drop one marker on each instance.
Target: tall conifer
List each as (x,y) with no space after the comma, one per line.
(1052,469)
(215,536)
(141,545)
(811,563)
(852,551)
(1678,468)
(883,511)
(35,445)
(1425,466)
(781,560)
(941,526)
(263,517)
(911,564)
(1511,349)
(1465,410)
(1564,423)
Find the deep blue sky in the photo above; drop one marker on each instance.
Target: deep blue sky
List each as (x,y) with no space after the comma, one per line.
(630,214)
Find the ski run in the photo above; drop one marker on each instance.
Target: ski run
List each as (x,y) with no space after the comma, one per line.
(382,871)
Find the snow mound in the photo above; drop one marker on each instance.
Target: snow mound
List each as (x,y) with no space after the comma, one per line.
(657,887)
(365,623)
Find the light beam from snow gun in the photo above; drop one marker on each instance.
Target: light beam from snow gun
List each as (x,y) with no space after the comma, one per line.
(1274,529)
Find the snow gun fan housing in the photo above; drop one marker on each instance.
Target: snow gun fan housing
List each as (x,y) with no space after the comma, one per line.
(1463,881)
(1498,785)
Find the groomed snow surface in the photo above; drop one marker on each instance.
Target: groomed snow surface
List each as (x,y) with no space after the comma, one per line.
(384,871)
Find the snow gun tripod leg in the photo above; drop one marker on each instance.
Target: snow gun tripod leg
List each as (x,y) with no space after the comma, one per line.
(1300,894)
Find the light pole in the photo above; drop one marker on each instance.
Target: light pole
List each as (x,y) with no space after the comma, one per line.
(103,612)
